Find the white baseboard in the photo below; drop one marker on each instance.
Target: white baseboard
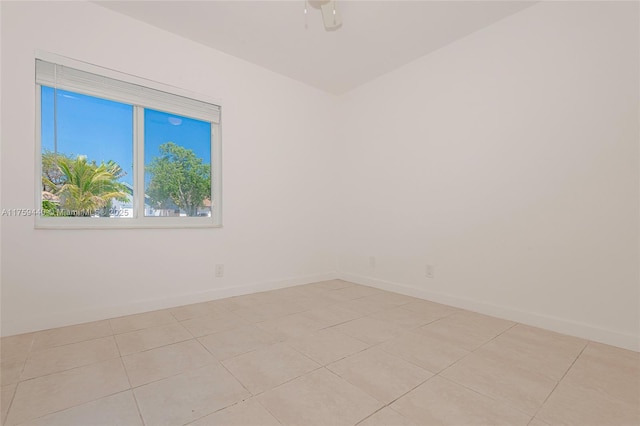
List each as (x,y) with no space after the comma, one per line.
(560,325)
(61,319)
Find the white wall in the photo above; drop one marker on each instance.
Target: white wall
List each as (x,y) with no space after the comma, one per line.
(509,160)
(276,208)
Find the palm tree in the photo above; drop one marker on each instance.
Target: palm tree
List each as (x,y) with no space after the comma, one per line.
(87,187)
(52,177)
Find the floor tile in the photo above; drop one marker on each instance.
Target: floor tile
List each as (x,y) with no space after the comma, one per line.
(387,417)
(268,367)
(329,353)
(70,356)
(578,406)
(466,329)
(306,303)
(383,376)
(431,308)
(313,290)
(6,396)
(327,346)
(71,334)
(426,352)
(188,396)
(369,330)
(17,346)
(155,364)
(404,317)
(231,343)
(441,402)
(149,338)
(332,315)
(115,410)
(44,395)
(364,305)
(522,389)
(261,312)
(182,313)
(213,323)
(610,370)
(140,321)
(351,292)
(247,301)
(391,299)
(535,349)
(537,422)
(319,398)
(10,370)
(290,327)
(279,295)
(332,284)
(246,413)
(287,293)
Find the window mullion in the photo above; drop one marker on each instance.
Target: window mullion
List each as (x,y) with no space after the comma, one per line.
(38,138)
(138,162)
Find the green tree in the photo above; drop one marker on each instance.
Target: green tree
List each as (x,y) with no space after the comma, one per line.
(84,186)
(49,208)
(52,176)
(180,176)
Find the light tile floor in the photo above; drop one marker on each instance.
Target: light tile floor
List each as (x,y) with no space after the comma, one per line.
(329,353)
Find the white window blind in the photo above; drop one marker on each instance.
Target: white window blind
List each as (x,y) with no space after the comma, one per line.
(66,78)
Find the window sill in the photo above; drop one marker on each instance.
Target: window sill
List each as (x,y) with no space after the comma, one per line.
(106,223)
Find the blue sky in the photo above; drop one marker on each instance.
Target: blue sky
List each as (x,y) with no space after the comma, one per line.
(103,130)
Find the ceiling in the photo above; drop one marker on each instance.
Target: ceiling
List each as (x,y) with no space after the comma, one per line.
(376,36)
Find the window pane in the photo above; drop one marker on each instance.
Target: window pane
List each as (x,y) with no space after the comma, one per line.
(87,155)
(177,159)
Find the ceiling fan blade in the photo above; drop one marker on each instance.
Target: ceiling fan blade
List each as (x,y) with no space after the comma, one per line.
(330,15)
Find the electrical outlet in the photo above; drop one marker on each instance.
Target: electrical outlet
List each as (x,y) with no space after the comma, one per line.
(428,271)
(219,271)
(372,262)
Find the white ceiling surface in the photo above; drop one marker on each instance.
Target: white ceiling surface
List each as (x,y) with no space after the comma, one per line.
(376,36)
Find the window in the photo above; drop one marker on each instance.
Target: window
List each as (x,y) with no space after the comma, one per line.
(118,151)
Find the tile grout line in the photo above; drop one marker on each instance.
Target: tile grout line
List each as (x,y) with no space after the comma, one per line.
(470,352)
(560,379)
(126,372)
(30,352)
(388,405)
(68,408)
(215,360)
(283,342)
(66,370)
(501,400)
(288,381)
(534,418)
(252,395)
(35,351)
(163,324)
(268,411)
(15,391)
(135,400)
(171,375)
(226,369)
(112,335)
(157,347)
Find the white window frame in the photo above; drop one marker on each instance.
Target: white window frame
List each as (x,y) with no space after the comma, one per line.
(139,220)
